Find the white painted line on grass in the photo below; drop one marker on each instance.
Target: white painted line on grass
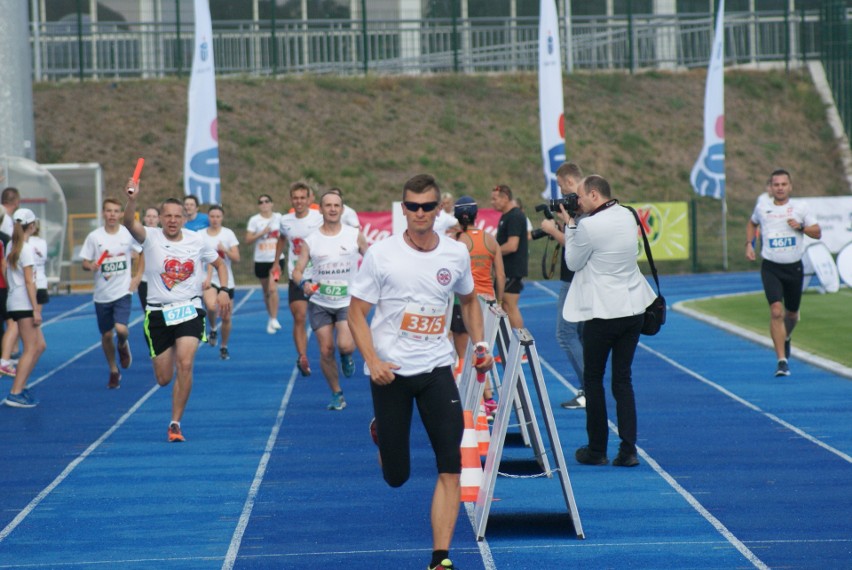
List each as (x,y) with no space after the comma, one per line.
(809,357)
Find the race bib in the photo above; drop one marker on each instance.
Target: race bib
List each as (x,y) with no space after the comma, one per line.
(176,313)
(334,289)
(781,241)
(113,266)
(423,322)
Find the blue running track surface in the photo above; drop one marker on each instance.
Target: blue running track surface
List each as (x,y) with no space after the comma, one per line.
(738,468)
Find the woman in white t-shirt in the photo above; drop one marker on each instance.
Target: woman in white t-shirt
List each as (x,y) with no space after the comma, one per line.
(22,306)
(40,252)
(226,244)
(262,231)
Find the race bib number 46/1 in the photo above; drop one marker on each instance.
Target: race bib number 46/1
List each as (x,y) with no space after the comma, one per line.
(177,313)
(423,322)
(781,241)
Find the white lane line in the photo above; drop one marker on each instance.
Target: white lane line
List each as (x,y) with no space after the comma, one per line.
(73,465)
(800,354)
(749,405)
(79,459)
(68,313)
(248,506)
(73,359)
(690,499)
(484,547)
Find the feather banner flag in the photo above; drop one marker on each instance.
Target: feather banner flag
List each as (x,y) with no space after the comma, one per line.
(201,156)
(708,174)
(550,102)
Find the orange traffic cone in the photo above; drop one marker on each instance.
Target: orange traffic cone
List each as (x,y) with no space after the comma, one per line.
(483,436)
(471,473)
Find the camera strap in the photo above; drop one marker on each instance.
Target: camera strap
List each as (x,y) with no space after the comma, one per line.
(554,259)
(648,255)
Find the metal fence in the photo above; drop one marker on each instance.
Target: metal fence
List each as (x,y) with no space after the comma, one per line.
(837,57)
(78,49)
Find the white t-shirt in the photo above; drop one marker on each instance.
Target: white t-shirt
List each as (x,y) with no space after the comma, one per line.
(444,222)
(112,279)
(40,253)
(349,217)
(781,243)
(412,291)
(335,261)
(264,246)
(18,299)
(295,230)
(7,224)
(171,266)
(228,239)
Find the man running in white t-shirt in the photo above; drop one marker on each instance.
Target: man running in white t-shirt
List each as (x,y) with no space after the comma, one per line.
(109,252)
(295,227)
(411,279)
(333,250)
(174,319)
(783,224)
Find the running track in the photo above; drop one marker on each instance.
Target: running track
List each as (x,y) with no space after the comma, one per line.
(739,469)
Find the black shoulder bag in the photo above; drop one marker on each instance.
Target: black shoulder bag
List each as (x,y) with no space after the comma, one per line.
(655,314)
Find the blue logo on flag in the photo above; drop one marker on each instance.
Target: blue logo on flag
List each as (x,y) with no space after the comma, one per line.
(549,44)
(204,181)
(203,50)
(555,157)
(710,173)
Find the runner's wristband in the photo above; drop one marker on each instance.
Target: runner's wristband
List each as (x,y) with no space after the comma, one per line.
(483,344)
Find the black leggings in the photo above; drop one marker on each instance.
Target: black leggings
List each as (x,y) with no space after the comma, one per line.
(440,410)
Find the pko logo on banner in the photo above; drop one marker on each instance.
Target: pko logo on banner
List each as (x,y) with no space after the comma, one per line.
(555,158)
(203,49)
(708,177)
(204,181)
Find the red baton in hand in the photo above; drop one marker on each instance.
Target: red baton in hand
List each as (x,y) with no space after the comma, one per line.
(138,172)
(101,259)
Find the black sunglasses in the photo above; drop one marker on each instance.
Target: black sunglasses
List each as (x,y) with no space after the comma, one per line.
(264,201)
(414,206)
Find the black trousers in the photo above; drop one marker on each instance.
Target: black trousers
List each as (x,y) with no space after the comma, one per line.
(600,338)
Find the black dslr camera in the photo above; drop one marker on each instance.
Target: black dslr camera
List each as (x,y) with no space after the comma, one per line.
(571,204)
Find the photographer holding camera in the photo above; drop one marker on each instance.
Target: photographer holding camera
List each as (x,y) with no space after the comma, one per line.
(569,335)
(610,294)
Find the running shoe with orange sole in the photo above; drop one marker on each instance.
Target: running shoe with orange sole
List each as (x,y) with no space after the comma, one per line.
(175,435)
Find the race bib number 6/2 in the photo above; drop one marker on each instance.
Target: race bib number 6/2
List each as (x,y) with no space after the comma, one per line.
(423,322)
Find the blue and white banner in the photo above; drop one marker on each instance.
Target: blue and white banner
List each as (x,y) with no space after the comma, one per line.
(708,174)
(201,157)
(550,103)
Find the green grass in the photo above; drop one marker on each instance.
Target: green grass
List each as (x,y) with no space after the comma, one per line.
(825,326)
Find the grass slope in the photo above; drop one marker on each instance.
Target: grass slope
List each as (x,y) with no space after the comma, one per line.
(368,135)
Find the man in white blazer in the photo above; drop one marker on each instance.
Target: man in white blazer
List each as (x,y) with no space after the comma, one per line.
(610,295)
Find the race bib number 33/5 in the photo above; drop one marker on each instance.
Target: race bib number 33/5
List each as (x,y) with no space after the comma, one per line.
(423,322)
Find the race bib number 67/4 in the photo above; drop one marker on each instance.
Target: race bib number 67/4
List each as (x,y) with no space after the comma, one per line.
(423,322)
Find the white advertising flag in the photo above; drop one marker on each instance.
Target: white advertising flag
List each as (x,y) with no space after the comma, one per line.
(550,102)
(708,174)
(201,157)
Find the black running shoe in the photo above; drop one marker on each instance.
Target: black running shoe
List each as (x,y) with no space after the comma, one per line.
(783,368)
(586,456)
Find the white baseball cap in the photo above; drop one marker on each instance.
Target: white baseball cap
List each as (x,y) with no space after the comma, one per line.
(24,216)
